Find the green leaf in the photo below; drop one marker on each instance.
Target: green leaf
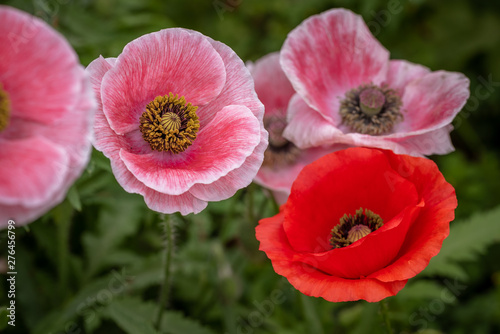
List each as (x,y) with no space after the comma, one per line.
(118,218)
(100,291)
(3,317)
(127,314)
(131,313)
(467,240)
(176,323)
(74,199)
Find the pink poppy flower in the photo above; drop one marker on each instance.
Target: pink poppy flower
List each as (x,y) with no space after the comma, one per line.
(179,119)
(46,113)
(283,161)
(348,91)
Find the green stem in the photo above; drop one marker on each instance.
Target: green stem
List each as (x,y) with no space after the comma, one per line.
(168,229)
(62,218)
(250,208)
(384,308)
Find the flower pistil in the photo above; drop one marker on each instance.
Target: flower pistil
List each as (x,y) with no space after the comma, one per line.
(352,228)
(169,124)
(370,109)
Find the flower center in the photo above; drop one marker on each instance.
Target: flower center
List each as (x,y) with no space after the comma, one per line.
(371,101)
(169,124)
(352,228)
(280,151)
(4,109)
(370,109)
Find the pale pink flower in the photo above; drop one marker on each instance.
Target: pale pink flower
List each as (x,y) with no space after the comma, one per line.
(283,161)
(46,113)
(348,91)
(179,119)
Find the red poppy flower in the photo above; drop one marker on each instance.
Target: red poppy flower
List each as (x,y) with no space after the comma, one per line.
(358,224)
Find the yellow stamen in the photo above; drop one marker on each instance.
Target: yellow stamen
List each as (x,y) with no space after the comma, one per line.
(4,109)
(169,123)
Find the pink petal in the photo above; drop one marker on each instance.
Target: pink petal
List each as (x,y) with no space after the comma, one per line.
(330,53)
(97,69)
(281,196)
(229,138)
(239,87)
(32,170)
(184,203)
(432,102)
(433,142)
(271,84)
(73,132)
(238,178)
(401,72)
(38,69)
(238,90)
(282,177)
(172,60)
(21,214)
(306,127)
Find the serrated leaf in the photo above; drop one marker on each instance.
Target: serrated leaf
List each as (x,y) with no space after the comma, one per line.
(117,219)
(127,314)
(99,291)
(467,240)
(176,323)
(136,309)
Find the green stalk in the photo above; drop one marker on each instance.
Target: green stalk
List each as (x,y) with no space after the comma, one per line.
(62,219)
(168,229)
(384,308)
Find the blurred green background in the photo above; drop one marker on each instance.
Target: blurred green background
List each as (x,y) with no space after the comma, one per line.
(93,264)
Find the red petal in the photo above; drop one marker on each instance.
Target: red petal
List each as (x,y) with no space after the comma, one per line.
(338,184)
(426,235)
(311,281)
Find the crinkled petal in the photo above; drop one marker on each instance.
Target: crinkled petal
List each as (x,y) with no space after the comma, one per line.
(401,72)
(238,90)
(318,195)
(73,132)
(369,254)
(306,127)
(39,69)
(32,171)
(271,84)
(220,147)
(175,60)
(330,53)
(311,281)
(184,203)
(431,102)
(238,178)
(433,142)
(280,178)
(426,235)
(97,69)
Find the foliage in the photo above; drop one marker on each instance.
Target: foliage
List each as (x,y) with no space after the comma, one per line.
(93,264)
